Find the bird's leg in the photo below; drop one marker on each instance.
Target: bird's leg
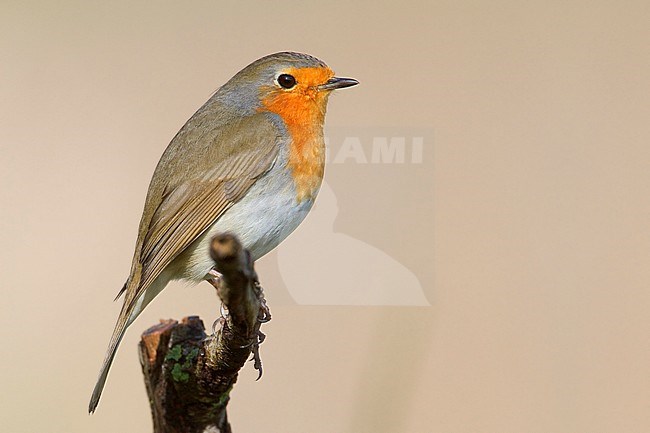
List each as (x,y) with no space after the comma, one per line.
(259,337)
(264,316)
(216,283)
(255,350)
(265,312)
(215,278)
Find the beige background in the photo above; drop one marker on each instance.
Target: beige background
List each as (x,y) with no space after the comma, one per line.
(526,223)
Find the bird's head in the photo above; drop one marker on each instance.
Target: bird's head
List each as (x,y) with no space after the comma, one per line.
(293,85)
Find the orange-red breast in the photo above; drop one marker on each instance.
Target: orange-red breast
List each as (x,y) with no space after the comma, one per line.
(250,161)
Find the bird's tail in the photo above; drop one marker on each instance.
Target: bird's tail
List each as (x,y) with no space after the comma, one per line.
(118,333)
(130,311)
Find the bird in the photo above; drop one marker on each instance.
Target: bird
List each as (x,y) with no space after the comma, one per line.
(250,161)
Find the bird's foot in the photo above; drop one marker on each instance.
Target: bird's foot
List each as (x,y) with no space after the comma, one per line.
(255,350)
(215,279)
(223,310)
(263,316)
(221,319)
(217,325)
(265,313)
(216,283)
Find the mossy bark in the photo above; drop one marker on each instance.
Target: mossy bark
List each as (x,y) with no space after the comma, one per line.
(188,374)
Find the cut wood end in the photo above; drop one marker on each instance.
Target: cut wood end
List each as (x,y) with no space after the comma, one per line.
(192,321)
(225,247)
(151,337)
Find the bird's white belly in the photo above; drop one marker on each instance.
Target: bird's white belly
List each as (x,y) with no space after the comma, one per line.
(263,218)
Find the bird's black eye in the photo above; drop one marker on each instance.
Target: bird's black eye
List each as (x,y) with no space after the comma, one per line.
(287,81)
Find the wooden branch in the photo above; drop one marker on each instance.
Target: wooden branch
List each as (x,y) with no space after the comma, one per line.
(189,375)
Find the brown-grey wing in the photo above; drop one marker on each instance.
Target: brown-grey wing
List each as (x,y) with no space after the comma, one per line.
(191,207)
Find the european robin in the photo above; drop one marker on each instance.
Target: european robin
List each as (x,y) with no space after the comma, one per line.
(250,161)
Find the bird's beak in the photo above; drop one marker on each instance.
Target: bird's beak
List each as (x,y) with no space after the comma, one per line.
(338,83)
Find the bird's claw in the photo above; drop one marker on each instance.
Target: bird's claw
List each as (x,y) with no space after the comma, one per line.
(220,320)
(265,313)
(263,316)
(255,350)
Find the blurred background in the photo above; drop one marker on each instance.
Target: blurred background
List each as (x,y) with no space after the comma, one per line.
(515,233)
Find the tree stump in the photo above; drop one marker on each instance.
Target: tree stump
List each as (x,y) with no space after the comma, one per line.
(188,374)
